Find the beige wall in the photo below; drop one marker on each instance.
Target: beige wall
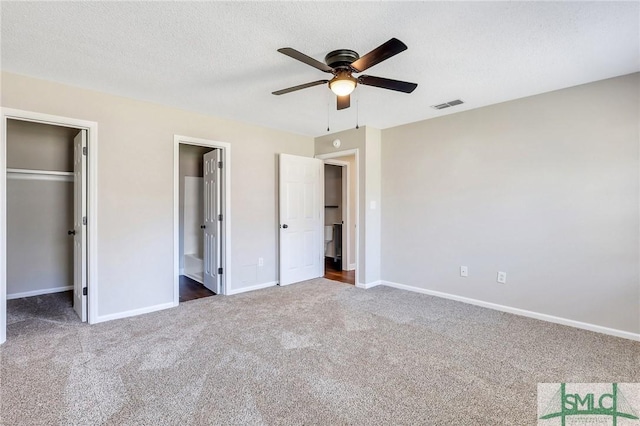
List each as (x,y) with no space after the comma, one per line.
(368,141)
(373,203)
(39,146)
(545,188)
(135,187)
(39,251)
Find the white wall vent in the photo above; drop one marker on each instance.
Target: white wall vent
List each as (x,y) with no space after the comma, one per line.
(448,104)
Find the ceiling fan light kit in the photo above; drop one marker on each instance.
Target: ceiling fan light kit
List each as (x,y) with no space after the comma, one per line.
(343,63)
(343,84)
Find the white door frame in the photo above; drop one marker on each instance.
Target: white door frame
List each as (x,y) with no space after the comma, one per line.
(356,153)
(225,199)
(346,223)
(92,205)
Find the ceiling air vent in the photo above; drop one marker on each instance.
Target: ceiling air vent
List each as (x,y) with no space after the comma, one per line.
(447,104)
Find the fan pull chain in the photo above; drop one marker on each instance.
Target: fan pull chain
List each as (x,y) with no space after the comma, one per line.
(357,112)
(328,113)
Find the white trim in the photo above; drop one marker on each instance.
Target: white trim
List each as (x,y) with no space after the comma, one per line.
(92,205)
(135,312)
(181,271)
(253,288)
(346,210)
(225,157)
(518,311)
(359,228)
(351,267)
(38,292)
(369,285)
(195,278)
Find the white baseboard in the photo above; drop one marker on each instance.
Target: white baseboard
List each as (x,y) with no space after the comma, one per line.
(369,285)
(518,311)
(195,278)
(38,292)
(251,288)
(134,312)
(351,267)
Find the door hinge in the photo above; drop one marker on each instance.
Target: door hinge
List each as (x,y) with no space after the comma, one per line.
(219,164)
(220,217)
(84,220)
(220,271)
(84,150)
(84,291)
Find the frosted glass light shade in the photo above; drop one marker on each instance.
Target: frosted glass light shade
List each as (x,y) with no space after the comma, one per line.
(342,85)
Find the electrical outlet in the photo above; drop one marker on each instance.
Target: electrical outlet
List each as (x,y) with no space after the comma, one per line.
(464,271)
(502,277)
(260,261)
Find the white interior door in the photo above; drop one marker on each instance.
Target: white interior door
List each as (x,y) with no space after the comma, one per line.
(301,218)
(211,173)
(79,225)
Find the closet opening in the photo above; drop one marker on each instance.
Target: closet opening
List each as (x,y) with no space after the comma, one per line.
(200,205)
(339,217)
(46,223)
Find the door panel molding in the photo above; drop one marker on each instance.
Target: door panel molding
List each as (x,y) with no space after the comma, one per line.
(211,195)
(301,217)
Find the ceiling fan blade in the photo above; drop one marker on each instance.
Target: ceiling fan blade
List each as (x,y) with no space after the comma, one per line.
(379,54)
(344,101)
(387,83)
(300,87)
(293,53)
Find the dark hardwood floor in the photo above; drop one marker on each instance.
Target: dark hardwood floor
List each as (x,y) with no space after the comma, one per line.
(191,289)
(331,273)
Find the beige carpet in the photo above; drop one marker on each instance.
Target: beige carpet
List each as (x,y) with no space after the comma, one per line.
(319,352)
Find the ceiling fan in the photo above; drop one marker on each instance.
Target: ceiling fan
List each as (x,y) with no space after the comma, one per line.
(343,63)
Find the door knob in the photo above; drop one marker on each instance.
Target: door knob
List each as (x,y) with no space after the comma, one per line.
(72,232)
(285,226)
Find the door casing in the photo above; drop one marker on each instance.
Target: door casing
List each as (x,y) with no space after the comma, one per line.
(92,205)
(358,226)
(346,210)
(225,197)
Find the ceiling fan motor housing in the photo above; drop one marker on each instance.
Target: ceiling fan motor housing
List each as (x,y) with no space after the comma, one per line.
(341,58)
(343,62)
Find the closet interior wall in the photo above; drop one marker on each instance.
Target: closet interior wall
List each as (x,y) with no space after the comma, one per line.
(39,208)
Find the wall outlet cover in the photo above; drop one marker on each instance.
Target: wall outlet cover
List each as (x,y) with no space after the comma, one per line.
(464,271)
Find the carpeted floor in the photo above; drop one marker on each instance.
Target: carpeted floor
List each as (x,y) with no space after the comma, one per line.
(318,352)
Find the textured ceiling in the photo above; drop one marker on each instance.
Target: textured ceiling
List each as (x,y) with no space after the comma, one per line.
(220,58)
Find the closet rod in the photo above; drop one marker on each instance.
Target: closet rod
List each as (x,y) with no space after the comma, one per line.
(39,172)
(26,174)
